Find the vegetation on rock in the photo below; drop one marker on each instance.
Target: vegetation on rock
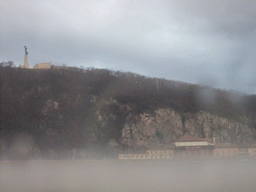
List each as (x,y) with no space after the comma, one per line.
(68,108)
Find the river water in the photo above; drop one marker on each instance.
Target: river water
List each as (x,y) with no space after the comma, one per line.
(129,176)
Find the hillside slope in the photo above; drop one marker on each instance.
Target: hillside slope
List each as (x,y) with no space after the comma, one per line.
(104,111)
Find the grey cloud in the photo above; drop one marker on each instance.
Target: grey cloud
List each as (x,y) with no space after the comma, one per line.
(179,40)
(227,17)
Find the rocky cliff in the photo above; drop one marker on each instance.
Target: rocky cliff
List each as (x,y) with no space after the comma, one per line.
(165,126)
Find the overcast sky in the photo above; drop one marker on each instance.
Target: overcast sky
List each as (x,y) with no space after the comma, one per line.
(208,42)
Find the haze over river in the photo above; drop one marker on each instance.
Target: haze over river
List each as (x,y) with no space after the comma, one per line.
(128,176)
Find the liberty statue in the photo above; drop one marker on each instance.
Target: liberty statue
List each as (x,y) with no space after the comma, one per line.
(26,65)
(26,52)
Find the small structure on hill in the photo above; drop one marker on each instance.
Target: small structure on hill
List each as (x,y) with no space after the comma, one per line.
(37,66)
(42,66)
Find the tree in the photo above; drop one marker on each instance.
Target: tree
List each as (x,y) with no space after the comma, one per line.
(7,64)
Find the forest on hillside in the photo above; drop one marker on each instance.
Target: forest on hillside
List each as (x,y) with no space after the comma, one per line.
(57,107)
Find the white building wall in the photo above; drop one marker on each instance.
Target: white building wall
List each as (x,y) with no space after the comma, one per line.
(191,144)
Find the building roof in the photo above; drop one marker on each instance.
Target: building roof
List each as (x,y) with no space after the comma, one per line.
(193,139)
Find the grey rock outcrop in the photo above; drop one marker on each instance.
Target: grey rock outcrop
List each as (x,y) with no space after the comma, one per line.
(165,126)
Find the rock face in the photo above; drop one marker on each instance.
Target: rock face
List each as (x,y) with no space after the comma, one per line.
(165,126)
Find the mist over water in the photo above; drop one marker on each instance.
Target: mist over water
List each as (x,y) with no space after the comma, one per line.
(128,176)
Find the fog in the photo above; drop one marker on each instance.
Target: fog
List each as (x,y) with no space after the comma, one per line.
(118,175)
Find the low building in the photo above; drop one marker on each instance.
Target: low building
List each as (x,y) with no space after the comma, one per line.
(160,152)
(42,66)
(252,150)
(225,150)
(143,156)
(189,146)
(243,149)
(190,141)
(150,154)
(134,156)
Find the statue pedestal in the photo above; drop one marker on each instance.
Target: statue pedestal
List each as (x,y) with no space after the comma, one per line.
(26,65)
